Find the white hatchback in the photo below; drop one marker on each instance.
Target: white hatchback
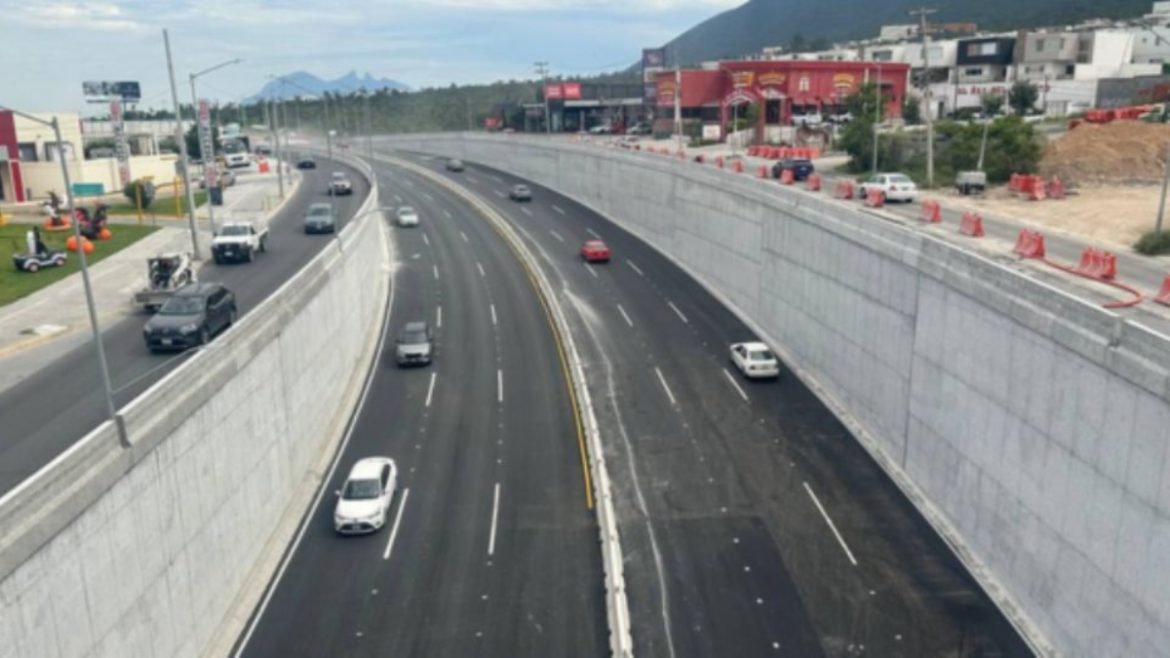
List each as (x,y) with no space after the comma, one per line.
(364,501)
(407,216)
(755,360)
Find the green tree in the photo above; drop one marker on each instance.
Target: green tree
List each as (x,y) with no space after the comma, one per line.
(798,44)
(912,111)
(992,104)
(1022,97)
(194,148)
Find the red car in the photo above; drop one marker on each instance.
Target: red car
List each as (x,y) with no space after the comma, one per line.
(595,251)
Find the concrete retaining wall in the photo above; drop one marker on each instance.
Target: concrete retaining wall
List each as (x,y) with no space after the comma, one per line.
(142,551)
(1031,428)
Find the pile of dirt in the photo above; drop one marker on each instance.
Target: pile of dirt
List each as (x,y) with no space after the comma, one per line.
(1125,152)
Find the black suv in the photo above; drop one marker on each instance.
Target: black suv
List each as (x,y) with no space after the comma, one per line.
(801,168)
(191,317)
(306,162)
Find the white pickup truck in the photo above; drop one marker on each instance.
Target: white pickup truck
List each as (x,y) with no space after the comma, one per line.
(240,240)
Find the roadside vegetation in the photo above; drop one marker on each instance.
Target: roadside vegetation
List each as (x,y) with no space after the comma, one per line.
(1154,244)
(14,284)
(1013,145)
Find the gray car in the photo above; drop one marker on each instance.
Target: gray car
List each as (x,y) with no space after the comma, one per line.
(415,345)
(520,193)
(191,317)
(320,219)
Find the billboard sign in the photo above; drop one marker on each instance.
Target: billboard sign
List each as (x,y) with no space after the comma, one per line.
(653,58)
(493,123)
(121,147)
(127,91)
(650,92)
(571,90)
(554,92)
(206,145)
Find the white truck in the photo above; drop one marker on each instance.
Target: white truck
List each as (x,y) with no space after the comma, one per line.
(240,240)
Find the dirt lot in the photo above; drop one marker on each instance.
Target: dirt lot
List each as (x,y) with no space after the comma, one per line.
(1108,214)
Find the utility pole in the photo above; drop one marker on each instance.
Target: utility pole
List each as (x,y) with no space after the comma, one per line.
(182,139)
(878,121)
(922,13)
(276,151)
(677,101)
(542,71)
(1165,184)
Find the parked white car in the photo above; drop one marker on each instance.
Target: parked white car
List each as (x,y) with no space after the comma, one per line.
(407,216)
(364,501)
(755,360)
(894,187)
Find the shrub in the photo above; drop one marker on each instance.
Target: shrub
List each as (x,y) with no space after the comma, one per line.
(132,191)
(1154,244)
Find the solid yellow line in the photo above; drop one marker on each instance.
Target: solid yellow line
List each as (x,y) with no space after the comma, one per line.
(584,453)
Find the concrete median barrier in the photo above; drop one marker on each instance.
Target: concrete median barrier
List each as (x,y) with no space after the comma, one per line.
(142,551)
(1028,426)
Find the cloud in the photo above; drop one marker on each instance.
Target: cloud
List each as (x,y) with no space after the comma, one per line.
(99,16)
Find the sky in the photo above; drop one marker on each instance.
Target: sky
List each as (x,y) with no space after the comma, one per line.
(51,46)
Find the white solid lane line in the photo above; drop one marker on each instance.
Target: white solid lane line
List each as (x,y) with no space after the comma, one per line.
(428,196)
(734,383)
(636,269)
(426,239)
(480,266)
(398,198)
(832,526)
(494,320)
(397,520)
(472,180)
(463,235)
(500,386)
(499,193)
(678,312)
(446,213)
(665,386)
(556,235)
(589,269)
(526,211)
(558,209)
(438,317)
(431,389)
(593,233)
(497,179)
(495,517)
(435,269)
(626,317)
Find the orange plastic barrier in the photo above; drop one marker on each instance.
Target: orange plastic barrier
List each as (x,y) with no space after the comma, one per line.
(786,177)
(844,189)
(931,211)
(1056,188)
(1163,296)
(1029,244)
(1097,264)
(1038,189)
(762,171)
(719,161)
(682,155)
(738,166)
(699,158)
(971,225)
(813,183)
(875,199)
(263,166)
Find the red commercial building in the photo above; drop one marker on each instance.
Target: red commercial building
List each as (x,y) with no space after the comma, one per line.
(783,89)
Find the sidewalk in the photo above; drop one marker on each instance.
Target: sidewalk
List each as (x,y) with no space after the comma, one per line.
(36,329)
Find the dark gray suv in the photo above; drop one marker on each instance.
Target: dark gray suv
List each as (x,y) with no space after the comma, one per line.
(415,345)
(320,219)
(191,317)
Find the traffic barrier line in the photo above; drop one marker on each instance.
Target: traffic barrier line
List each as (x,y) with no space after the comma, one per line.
(844,190)
(813,184)
(931,212)
(1029,244)
(875,199)
(1163,296)
(787,177)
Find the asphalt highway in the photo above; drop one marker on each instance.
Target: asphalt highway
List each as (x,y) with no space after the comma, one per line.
(753,523)
(50,410)
(489,548)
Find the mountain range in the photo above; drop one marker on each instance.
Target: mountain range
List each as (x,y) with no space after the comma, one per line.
(757,24)
(301,83)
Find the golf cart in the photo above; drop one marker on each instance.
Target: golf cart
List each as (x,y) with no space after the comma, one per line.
(34,262)
(167,273)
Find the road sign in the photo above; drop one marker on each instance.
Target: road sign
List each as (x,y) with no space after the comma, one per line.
(121,147)
(207,146)
(126,91)
(88,189)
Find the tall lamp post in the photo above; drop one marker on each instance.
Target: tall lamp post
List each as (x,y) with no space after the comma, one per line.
(194,106)
(328,132)
(107,387)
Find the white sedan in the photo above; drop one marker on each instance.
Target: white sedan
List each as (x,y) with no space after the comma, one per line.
(894,187)
(755,360)
(407,216)
(364,502)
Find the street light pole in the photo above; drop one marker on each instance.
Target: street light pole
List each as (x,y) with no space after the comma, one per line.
(182,139)
(103,367)
(878,121)
(276,150)
(1165,184)
(542,70)
(922,14)
(195,107)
